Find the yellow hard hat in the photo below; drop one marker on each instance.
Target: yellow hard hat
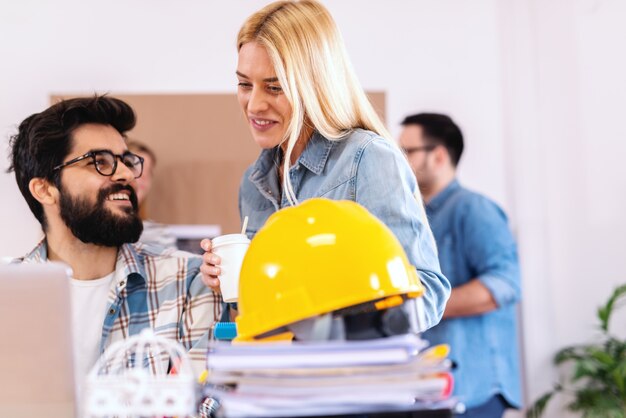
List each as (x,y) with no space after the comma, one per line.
(315,258)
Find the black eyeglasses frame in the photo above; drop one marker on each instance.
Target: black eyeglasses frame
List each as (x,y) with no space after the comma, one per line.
(94,153)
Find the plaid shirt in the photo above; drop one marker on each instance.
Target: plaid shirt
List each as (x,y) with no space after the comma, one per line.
(158,289)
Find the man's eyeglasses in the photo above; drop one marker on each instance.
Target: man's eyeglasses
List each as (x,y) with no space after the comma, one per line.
(427,148)
(106,162)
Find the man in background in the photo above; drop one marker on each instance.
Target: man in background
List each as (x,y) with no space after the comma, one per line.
(154,233)
(78,177)
(478,255)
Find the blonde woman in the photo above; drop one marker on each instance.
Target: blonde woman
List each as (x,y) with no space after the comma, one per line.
(320,137)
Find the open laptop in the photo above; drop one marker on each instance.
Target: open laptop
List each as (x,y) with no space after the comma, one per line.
(36,375)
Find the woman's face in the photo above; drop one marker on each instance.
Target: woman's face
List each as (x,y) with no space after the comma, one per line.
(144,183)
(261,97)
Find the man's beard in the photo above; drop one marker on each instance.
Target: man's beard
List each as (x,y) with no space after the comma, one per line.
(97,224)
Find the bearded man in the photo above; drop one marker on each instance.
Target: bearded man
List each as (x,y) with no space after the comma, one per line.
(77,175)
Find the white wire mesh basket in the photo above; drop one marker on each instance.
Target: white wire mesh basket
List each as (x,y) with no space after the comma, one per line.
(144,375)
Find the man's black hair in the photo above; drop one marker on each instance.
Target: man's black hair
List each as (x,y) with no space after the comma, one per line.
(439,129)
(44,139)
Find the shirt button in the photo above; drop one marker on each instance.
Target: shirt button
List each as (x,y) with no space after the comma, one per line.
(121,284)
(269,192)
(111,311)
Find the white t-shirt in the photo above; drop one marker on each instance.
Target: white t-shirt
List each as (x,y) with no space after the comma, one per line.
(89,303)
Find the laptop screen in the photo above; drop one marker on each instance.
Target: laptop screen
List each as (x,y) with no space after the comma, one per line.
(37,376)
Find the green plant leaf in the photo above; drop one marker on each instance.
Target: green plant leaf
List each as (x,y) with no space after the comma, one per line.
(619,379)
(602,356)
(570,353)
(537,408)
(597,380)
(615,347)
(585,368)
(602,411)
(604,312)
(587,399)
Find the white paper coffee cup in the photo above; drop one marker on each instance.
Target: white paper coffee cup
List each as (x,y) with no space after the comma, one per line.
(231,249)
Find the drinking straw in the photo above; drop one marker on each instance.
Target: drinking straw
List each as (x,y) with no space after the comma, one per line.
(245,225)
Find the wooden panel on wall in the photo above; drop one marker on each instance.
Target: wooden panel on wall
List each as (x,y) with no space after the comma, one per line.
(203,146)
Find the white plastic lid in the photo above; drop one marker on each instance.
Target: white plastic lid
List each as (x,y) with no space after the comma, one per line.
(229,240)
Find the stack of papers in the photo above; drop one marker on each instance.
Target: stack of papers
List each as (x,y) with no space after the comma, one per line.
(315,378)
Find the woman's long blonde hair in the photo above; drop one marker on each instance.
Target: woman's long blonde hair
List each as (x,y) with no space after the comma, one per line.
(314,71)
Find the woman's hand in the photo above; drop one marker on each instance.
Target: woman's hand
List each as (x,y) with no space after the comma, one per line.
(210,266)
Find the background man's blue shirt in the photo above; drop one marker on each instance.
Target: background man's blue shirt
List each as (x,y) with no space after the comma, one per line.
(474,241)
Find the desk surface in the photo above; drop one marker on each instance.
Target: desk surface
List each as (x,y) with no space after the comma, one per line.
(435,413)
(422,413)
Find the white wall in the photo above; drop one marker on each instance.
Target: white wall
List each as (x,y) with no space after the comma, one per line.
(536,85)
(564,94)
(438,56)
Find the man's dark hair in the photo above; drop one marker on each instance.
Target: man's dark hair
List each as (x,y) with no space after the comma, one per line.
(44,139)
(439,129)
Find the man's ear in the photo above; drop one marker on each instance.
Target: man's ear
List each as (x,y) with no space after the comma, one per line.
(441,155)
(42,190)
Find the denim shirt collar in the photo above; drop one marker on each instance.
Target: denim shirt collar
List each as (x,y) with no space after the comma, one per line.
(441,197)
(316,153)
(313,157)
(267,159)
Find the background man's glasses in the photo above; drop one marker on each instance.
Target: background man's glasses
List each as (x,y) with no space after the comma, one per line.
(106,162)
(426,148)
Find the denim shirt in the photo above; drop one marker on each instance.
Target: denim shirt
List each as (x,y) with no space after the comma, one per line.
(362,167)
(474,241)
